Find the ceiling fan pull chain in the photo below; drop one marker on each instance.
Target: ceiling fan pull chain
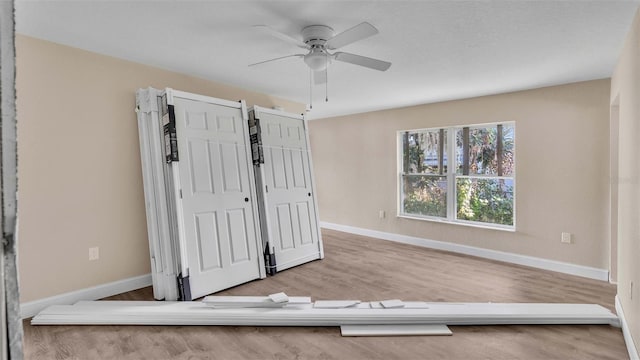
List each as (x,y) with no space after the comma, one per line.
(326,83)
(310,89)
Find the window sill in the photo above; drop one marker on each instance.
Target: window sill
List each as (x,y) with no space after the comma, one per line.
(459,222)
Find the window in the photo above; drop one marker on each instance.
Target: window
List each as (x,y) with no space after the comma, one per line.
(459,174)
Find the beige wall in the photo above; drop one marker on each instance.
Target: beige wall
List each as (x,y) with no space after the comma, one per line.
(625,100)
(80,183)
(562,142)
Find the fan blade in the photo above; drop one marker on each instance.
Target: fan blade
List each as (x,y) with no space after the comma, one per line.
(320,77)
(358,32)
(362,61)
(275,33)
(278,58)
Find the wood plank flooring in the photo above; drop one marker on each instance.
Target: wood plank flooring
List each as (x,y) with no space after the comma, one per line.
(357,267)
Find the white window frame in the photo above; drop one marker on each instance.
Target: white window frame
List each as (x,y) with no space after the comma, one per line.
(451,175)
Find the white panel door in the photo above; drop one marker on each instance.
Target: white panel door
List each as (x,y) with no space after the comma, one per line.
(289,198)
(217,205)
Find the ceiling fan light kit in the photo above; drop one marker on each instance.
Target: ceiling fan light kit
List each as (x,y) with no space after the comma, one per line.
(317,59)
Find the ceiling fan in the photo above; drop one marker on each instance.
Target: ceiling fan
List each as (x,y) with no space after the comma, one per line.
(320,41)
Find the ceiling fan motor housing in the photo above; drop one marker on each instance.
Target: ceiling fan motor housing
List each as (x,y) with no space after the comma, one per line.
(316,36)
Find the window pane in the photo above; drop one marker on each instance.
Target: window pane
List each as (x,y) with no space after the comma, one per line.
(422,149)
(485,200)
(425,195)
(483,151)
(508,150)
(459,150)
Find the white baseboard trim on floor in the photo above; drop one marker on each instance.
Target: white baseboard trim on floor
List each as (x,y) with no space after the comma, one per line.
(31,308)
(631,346)
(558,266)
(417,313)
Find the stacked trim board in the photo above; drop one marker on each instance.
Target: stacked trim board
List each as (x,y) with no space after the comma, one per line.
(301,313)
(235,302)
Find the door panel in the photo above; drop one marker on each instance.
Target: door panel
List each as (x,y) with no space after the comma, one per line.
(297,164)
(196,120)
(231,174)
(304,215)
(208,241)
(285,230)
(200,166)
(278,170)
(238,236)
(292,221)
(218,209)
(226,124)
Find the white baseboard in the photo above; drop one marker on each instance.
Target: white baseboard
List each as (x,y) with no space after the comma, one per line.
(558,266)
(628,339)
(31,308)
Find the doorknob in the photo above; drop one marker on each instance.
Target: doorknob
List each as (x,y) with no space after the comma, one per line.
(309,194)
(246,199)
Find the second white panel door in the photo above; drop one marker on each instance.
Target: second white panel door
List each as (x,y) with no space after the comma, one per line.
(289,198)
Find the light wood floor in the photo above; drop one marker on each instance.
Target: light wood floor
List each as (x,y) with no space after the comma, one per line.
(366,269)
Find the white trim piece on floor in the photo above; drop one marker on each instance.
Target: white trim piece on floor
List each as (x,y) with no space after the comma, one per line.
(540,263)
(31,308)
(335,304)
(199,313)
(628,339)
(217,301)
(394,330)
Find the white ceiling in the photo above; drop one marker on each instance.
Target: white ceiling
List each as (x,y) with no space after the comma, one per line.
(440,50)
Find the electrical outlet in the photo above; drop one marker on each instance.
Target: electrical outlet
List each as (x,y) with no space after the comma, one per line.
(566,238)
(94,253)
(381,214)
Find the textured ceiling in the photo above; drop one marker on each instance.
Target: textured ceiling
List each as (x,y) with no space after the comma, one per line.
(440,50)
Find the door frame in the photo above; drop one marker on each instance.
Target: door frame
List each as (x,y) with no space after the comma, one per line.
(614,128)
